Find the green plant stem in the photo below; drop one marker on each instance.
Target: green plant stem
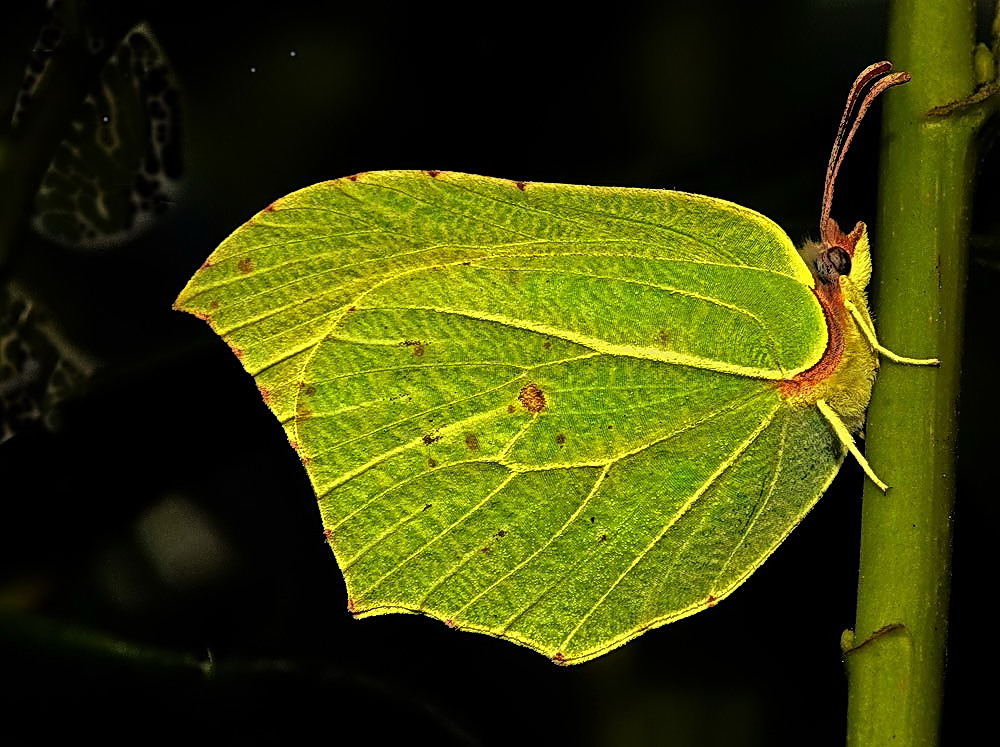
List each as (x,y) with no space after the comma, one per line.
(896,670)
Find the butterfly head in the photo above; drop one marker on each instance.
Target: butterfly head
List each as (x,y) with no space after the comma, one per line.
(843,256)
(846,255)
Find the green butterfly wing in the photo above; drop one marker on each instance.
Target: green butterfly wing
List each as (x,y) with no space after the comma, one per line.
(542,412)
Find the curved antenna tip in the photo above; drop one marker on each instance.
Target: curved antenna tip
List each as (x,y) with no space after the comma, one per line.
(870,83)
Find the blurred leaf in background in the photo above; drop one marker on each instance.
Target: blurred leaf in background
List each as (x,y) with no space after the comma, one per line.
(121,162)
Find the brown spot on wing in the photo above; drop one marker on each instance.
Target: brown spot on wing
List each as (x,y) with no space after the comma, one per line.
(429,438)
(532,398)
(432,173)
(560,438)
(245,265)
(472,442)
(265,393)
(418,347)
(350,605)
(213,304)
(521,185)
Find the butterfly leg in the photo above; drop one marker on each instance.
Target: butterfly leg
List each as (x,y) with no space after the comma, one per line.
(848,440)
(869,333)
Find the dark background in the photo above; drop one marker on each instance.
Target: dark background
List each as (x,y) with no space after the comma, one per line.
(168,512)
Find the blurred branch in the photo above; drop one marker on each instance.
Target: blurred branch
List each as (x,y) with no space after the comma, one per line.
(61,641)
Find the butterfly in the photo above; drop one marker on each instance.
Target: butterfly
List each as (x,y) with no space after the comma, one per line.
(560,415)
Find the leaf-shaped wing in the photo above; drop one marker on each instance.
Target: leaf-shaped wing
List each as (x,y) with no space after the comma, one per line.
(538,411)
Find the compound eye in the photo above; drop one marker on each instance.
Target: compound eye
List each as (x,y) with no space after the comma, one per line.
(833,263)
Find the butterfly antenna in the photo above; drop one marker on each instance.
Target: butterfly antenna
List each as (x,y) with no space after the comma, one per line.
(849,121)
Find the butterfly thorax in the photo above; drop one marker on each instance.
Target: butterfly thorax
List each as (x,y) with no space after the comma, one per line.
(844,375)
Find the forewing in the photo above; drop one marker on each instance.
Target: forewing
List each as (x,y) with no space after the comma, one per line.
(647,273)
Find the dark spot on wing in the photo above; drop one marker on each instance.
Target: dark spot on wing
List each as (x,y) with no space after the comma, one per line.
(547,344)
(532,398)
(245,265)
(429,438)
(432,174)
(418,347)
(560,438)
(521,185)
(472,442)
(213,304)
(432,463)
